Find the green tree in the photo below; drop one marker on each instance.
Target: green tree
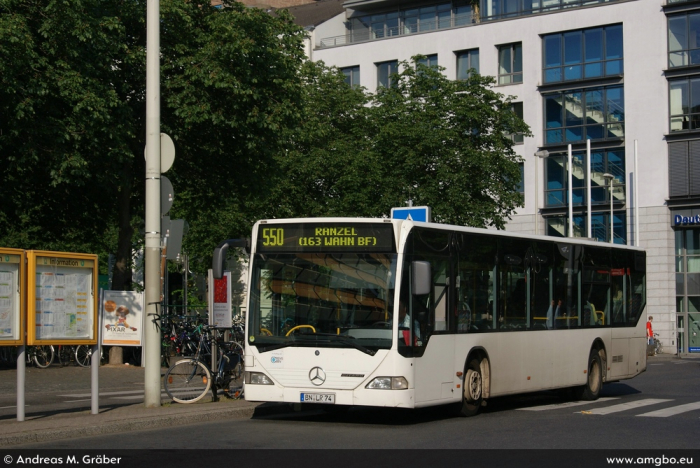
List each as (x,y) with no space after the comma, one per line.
(442,143)
(72,119)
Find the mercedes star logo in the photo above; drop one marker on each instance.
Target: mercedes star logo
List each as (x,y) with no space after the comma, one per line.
(317,376)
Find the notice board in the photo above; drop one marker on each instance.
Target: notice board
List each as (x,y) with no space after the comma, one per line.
(12,296)
(62,298)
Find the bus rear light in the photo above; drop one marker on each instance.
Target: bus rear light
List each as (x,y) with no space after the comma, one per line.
(388,383)
(257,378)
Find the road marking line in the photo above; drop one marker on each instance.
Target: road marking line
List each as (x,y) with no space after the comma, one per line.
(79,395)
(673,410)
(626,406)
(563,405)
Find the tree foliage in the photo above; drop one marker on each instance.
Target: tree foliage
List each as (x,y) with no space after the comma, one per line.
(441,143)
(72,119)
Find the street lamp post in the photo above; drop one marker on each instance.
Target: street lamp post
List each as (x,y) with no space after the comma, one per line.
(611,178)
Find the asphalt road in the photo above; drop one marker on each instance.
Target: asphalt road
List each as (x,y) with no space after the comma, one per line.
(659,409)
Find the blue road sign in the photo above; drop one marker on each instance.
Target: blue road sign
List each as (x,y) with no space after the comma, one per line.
(414,213)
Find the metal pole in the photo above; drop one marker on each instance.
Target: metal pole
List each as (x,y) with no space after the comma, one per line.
(588,189)
(611,178)
(95,378)
(186,260)
(21,376)
(636,197)
(152,290)
(612,236)
(571,201)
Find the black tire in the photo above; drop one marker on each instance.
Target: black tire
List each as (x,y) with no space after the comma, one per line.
(594,383)
(43,356)
(187,381)
(472,390)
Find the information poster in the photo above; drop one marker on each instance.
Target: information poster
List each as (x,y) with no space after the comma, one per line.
(122,318)
(220,301)
(11,293)
(62,301)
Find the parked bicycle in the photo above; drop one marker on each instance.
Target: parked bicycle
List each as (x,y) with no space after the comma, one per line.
(41,356)
(189,380)
(83,355)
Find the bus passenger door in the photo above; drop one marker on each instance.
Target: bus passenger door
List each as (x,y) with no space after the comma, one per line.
(434,369)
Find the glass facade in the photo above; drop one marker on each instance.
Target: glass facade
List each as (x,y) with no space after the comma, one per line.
(574,116)
(684,40)
(588,53)
(688,289)
(558,226)
(684,101)
(602,162)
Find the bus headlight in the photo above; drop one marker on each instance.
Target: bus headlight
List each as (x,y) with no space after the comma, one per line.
(388,383)
(257,378)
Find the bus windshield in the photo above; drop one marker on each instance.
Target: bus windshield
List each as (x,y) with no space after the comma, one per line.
(321,300)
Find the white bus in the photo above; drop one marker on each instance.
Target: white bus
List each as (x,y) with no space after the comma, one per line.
(481,314)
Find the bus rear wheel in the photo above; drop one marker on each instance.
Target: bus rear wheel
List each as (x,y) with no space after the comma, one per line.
(472,390)
(591,390)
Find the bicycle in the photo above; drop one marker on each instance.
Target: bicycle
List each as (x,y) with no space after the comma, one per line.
(658,346)
(189,380)
(41,356)
(83,355)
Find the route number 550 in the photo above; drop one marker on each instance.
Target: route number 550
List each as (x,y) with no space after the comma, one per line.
(273,237)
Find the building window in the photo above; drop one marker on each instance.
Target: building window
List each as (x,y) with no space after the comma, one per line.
(517,107)
(510,63)
(430,61)
(577,115)
(384,25)
(602,162)
(521,184)
(683,169)
(386,72)
(558,226)
(352,76)
(466,61)
(427,18)
(684,40)
(684,99)
(590,53)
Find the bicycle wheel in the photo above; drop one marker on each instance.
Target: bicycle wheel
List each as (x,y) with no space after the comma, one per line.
(187,381)
(83,355)
(43,356)
(659,347)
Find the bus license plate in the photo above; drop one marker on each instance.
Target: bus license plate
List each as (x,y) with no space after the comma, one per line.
(326,398)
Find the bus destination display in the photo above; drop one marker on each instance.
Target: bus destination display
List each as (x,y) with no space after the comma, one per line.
(317,237)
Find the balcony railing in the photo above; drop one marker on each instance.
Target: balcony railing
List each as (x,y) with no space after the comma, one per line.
(490,10)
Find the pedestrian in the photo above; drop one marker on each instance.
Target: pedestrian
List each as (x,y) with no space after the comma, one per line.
(650,331)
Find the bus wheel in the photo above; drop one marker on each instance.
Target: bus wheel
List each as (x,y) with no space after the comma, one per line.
(472,394)
(591,390)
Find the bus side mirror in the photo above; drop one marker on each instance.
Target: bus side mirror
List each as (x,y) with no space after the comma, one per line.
(218,261)
(422,278)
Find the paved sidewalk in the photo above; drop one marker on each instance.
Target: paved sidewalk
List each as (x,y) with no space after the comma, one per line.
(44,422)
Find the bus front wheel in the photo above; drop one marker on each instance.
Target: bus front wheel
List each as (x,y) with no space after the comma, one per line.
(472,393)
(594,383)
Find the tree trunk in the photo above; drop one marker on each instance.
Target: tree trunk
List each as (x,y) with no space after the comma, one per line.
(121,276)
